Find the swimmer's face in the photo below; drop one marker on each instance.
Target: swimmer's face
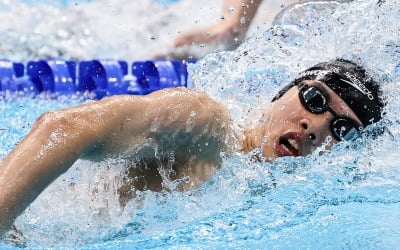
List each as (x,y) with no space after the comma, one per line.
(289,129)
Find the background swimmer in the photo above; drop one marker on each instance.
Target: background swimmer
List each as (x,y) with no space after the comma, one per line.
(230,31)
(185,131)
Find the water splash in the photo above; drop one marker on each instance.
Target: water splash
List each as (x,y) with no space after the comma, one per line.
(248,203)
(98,29)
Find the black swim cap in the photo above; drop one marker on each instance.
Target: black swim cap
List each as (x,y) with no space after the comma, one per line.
(349,81)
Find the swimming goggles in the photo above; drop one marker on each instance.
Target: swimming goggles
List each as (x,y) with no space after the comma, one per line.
(313,99)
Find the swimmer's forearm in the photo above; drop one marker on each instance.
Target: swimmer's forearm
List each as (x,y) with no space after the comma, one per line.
(55,142)
(46,152)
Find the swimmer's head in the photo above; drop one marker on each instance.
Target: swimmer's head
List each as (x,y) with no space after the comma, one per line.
(334,99)
(351,83)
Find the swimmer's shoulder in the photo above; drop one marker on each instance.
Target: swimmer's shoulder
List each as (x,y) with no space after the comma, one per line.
(194,102)
(171,115)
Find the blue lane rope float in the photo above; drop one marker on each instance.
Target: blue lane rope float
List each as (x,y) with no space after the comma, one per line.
(12,79)
(100,77)
(103,77)
(53,75)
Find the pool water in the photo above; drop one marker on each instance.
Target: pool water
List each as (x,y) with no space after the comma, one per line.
(347,198)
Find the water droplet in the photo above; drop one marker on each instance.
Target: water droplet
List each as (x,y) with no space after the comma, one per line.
(231,9)
(192,113)
(242,20)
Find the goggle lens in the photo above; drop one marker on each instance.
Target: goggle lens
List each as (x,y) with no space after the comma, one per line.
(315,101)
(342,128)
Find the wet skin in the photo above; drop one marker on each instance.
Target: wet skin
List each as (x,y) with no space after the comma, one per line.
(175,129)
(178,130)
(286,124)
(286,129)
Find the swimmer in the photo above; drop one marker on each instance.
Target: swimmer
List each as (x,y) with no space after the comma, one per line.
(226,34)
(229,32)
(183,132)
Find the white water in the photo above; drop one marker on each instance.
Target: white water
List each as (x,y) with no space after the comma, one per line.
(69,213)
(122,29)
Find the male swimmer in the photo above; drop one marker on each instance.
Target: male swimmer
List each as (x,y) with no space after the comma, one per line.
(182,133)
(229,32)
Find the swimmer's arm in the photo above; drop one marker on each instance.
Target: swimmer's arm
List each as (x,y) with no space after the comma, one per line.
(173,118)
(54,143)
(110,126)
(228,29)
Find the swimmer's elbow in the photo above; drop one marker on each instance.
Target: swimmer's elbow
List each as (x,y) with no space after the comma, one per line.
(44,120)
(77,130)
(66,135)
(52,120)
(59,123)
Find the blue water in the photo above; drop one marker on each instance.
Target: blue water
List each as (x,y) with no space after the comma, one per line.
(347,198)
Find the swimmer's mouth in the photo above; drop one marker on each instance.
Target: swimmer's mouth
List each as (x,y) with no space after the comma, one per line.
(289,145)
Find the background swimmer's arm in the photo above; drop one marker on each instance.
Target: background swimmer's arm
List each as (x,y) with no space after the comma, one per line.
(113,126)
(229,31)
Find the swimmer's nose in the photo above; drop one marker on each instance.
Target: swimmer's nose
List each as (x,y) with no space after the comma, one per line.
(310,130)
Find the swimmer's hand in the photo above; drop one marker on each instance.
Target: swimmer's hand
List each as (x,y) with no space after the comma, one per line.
(229,31)
(225,34)
(199,42)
